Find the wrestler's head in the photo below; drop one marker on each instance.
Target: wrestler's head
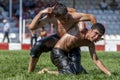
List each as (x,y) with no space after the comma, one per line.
(60,10)
(96,32)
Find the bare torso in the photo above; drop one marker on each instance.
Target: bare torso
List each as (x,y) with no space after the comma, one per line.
(74,38)
(63,26)
(72,35)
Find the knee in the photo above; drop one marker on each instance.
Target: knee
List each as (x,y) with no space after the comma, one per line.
(36,50)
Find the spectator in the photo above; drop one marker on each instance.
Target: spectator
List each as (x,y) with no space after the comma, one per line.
(103,5)
(1,17)
(113,5)
(33,37)
(6,30)
(39,35)
(32,13)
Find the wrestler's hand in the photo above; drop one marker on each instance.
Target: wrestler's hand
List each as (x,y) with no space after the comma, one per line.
(47,10)
(41,72)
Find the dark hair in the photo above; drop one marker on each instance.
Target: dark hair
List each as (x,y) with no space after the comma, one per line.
(60,10)
(99,27)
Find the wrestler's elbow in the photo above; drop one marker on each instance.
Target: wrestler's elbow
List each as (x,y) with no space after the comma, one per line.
(93,19)
(31,27)
(91,16)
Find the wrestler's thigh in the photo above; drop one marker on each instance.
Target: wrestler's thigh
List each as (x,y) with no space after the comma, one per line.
(75,55)
(61,60)
(44,45)
(50,41)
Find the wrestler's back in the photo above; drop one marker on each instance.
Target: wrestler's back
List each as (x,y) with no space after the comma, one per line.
(63,26)
(73,38)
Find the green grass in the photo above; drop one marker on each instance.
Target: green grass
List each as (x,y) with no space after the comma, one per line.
(14,64)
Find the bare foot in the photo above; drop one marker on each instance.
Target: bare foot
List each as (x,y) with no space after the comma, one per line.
(43,71)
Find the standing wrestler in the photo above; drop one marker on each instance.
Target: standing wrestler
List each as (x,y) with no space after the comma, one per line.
(77,37)
(63,19)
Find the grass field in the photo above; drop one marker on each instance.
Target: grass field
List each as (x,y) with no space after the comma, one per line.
(13,66)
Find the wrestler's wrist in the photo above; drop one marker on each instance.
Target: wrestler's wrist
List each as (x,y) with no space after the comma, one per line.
(47,10)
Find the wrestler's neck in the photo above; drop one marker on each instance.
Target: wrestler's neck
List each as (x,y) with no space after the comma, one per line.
(87,35)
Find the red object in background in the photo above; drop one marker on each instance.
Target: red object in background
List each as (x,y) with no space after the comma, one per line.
(4,46)
(100,47)
(25,46)
(118,47)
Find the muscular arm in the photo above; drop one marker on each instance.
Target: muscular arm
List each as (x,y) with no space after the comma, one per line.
(85,17)
(95,59)
(37,22)
(88,17)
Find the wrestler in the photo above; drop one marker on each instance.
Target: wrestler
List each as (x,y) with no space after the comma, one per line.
(77,37)
(63,19)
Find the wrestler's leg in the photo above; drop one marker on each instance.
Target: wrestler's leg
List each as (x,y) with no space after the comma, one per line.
(61,60)
(32,64)
(43,45)
(75,56)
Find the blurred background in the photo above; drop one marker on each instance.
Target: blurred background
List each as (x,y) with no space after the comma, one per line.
(19,13)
